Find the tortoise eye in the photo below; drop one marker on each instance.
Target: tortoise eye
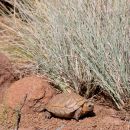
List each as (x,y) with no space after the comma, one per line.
(90,106)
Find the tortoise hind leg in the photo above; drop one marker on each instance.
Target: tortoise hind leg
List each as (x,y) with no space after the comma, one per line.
(78,113)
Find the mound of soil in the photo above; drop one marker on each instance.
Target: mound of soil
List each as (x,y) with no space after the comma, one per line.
(6,74)
(30,93)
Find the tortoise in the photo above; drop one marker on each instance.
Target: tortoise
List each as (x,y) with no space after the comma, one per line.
(68,105)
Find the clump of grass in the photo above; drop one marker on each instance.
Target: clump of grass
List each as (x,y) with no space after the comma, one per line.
(7,117)
(75,42)
(3,114)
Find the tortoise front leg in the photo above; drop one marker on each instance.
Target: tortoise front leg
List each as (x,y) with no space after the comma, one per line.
(78,113)
(47,115)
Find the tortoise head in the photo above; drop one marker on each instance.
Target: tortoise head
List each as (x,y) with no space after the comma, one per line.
(88,107)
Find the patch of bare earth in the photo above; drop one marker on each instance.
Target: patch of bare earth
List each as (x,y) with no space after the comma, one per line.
(105,119)
(30,93)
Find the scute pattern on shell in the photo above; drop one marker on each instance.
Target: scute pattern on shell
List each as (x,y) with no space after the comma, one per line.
(64,104)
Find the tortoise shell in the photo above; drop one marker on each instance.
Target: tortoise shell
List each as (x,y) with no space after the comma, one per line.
(65,104)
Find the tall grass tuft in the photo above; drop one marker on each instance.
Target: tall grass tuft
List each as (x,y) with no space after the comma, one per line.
(76,41)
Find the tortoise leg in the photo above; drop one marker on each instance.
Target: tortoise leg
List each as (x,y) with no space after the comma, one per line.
(78,113)
(47,115)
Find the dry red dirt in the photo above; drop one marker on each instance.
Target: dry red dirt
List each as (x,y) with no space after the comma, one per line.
(103,120)
(30,93)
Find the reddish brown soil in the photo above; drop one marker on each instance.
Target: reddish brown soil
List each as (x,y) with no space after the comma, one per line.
(31,92)
(105,119)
